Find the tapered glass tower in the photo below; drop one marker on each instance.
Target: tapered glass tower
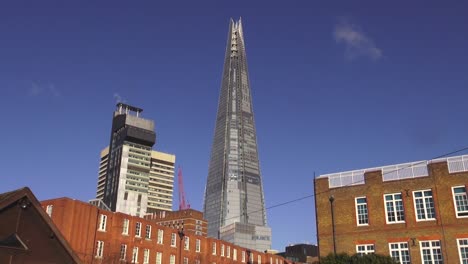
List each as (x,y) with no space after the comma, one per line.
(234,204)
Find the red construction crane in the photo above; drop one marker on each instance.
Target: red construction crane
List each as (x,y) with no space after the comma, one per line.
(183,204)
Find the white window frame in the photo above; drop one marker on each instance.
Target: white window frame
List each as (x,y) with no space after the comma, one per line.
(394,204)
(138,229)
(49,209)
(173,240)
(357,205)
(464,197)
(462,244)
(135,255)
(172,259)
(158,257)
(400,248)
(234,254)
(186,243)
(243,257)
(146,256)
(197,245)
(160,236)
(431,248)
(222,250)
(425,204)
(228,252)
(213,248)
(259,259)
(99,249)
(125,225)
(102,222)
(368,249)
(123,251)
(185,260)
(148,232)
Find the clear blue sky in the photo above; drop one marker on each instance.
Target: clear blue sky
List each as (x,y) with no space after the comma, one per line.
(336,86)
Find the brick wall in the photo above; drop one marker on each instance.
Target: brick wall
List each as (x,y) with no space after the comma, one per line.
(79,223)
(446,227)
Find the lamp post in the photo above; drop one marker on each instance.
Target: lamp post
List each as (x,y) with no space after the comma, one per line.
(332,199)
(181,236)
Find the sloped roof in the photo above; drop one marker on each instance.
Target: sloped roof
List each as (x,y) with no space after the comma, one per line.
(24,197)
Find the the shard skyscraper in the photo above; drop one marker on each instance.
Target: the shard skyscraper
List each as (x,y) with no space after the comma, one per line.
(234,205)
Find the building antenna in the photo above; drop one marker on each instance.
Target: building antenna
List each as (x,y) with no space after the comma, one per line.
(183,204)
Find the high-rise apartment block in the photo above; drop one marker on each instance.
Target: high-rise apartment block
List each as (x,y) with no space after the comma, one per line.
(133,178)
(234,204)
(415,212)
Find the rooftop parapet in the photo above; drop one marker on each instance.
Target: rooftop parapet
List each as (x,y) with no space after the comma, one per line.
(395,172)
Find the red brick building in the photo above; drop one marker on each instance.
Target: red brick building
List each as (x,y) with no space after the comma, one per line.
(189,220)
(409,211)
(101,236)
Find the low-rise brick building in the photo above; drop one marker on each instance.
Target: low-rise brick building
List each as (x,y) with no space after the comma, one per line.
(101,236)
(191,221)
(415,212)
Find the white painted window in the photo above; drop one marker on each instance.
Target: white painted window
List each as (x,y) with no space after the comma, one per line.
(49,209)
(123,251)
(213,248)
(160,236)
(148,232)
(234,254)
(222,250)
(197,245)
(135,255)
(173,240)
(125,224)
(158,258)
(146,255)
(394,208)
(461,201)
(259,259)
(463,250)
(138,229)
(365,249)
(228,251)
(251,258)
(400,252)
(424,205)
(243,256)
(172,259)
(362,214)
(99,249)
(186,243)
(102,222)
(185,260)
(431,252)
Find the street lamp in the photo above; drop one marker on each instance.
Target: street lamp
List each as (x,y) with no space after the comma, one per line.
(332,199)
(181,236)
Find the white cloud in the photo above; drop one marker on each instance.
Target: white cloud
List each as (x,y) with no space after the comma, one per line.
(357,43)
(37,89)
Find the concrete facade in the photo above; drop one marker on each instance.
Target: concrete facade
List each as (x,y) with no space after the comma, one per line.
(116,239)
(409,216)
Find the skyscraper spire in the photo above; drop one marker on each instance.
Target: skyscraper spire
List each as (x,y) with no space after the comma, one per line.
(234,203)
